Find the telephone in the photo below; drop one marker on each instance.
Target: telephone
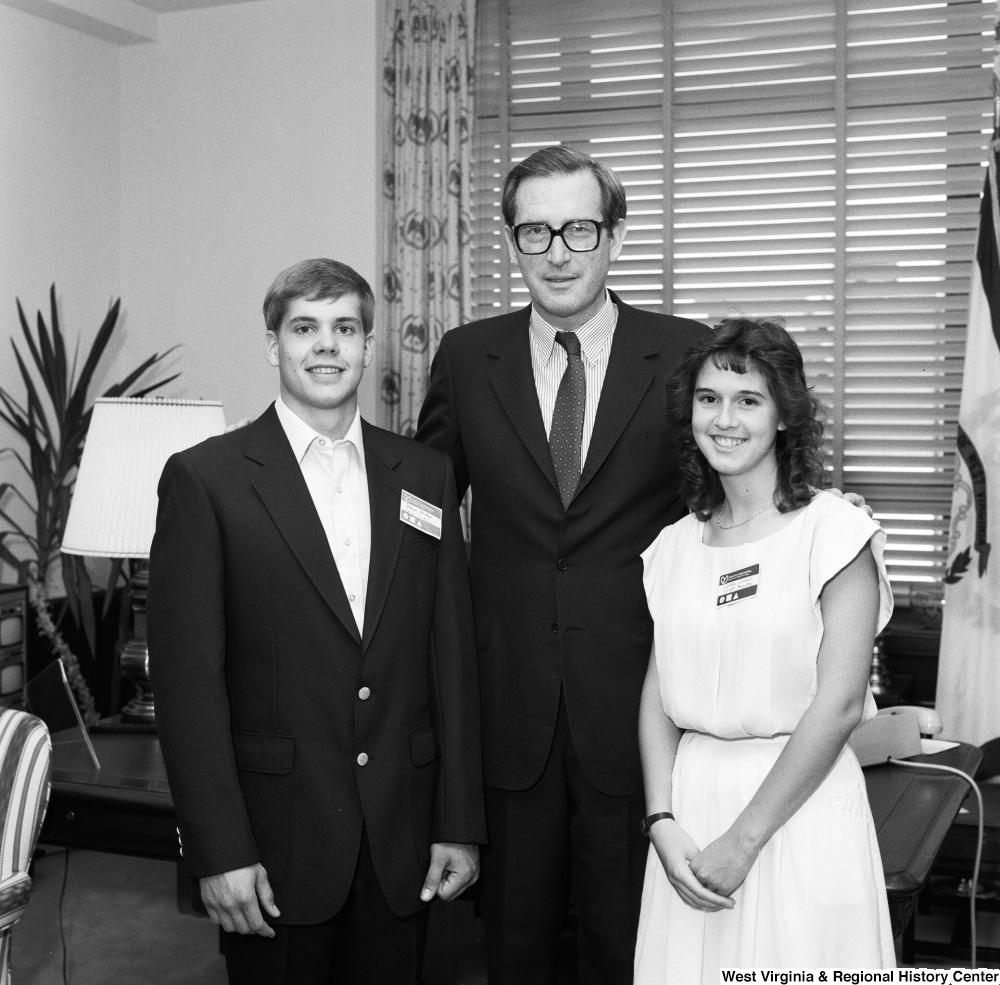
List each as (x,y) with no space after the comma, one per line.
(928,720)
(894,733)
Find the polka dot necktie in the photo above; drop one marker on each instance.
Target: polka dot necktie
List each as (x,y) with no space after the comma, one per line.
(566,434)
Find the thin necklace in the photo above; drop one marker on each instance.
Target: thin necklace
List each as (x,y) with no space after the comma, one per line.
(731,526)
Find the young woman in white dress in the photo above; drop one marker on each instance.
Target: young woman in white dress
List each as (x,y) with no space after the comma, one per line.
(766,601)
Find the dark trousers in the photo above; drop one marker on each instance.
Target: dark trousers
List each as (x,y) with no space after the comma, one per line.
(538,837)
(364,942)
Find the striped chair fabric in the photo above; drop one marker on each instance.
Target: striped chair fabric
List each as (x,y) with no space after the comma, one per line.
(25,758)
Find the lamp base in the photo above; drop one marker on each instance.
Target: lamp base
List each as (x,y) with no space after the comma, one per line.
(135,655)
(878,678)
(141,708)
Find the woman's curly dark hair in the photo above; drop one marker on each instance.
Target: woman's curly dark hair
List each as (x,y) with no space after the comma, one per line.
(750,345)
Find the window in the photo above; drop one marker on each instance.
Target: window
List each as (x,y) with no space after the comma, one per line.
(821,160)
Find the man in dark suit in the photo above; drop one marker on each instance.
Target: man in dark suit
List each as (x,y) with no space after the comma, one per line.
(555,417)
(312,649)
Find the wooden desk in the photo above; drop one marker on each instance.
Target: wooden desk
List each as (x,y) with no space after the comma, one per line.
(124,807)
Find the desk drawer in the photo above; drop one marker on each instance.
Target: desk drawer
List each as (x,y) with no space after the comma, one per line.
(109,829)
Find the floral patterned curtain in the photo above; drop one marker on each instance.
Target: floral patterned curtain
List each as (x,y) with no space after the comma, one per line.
(427,80)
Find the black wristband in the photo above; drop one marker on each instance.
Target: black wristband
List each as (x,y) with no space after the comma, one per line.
(648,822)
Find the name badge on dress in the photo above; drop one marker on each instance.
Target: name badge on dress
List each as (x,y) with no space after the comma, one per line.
(420,514)
(738,585)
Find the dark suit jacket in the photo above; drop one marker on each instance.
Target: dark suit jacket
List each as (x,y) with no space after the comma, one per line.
(257,665)
(558,595)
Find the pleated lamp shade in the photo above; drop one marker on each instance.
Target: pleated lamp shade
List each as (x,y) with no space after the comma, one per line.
(113,511)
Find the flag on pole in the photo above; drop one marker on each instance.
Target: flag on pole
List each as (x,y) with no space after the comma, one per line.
(968,686)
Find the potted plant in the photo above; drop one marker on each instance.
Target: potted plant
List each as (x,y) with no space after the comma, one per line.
(52,421)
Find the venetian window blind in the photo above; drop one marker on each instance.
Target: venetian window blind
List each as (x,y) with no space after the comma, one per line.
(821,160)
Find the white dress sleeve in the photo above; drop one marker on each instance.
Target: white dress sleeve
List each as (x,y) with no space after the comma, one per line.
(841,531)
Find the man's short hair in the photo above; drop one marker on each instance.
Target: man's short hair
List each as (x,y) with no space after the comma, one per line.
(317,280)
(551,162)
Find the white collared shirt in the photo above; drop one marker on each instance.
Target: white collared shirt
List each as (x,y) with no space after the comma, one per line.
(338,484)
(549,360)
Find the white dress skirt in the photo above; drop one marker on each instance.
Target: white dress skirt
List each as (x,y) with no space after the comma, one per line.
(737,632)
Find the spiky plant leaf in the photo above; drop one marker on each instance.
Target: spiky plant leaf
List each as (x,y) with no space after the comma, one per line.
(156,386)
(15,418)
(6,554)
(59,354)
(72,589)
(86,602)
(9,487)
(47,370)
(17,528)
(28,337)
(78,398)
(35,409)
(122,385)
(114,573)
(20,459)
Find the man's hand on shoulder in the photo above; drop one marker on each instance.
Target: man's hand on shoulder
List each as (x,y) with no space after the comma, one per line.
(452,869)
(241,423)
(854,499)
(231,899)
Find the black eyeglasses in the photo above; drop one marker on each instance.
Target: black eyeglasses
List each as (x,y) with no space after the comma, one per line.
(579,235)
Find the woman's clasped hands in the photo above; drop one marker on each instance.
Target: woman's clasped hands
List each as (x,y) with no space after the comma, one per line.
(704,879)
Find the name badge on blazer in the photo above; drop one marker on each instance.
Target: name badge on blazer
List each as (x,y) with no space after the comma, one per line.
(420,514)
(738,585)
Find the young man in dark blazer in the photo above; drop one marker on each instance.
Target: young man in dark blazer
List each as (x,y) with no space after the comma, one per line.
(312,649)
(565,497)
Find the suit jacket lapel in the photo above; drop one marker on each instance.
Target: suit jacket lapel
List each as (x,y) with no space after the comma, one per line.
(284,492)
(514,382)
(625,383)
(384,491)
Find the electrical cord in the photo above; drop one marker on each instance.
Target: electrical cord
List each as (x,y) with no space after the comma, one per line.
(979,842)
(62,927)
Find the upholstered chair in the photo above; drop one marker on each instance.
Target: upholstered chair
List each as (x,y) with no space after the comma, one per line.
(25,755)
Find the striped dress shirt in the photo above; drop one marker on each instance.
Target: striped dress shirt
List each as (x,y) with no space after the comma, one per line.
(548,362)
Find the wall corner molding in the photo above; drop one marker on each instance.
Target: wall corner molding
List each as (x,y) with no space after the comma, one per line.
(120,22)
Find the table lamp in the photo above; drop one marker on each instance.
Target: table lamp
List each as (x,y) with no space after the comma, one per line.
(113,510)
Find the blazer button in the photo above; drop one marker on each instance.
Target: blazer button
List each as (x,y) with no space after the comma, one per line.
(365,693)
(555,627)
(562,564)
(362,758)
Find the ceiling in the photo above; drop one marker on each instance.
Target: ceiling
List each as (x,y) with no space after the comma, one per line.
(122,22)
(170,6)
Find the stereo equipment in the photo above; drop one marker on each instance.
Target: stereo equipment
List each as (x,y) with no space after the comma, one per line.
(13,644)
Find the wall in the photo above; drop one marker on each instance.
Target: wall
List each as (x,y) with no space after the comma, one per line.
(60,190)
(248,143)
(60,176)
